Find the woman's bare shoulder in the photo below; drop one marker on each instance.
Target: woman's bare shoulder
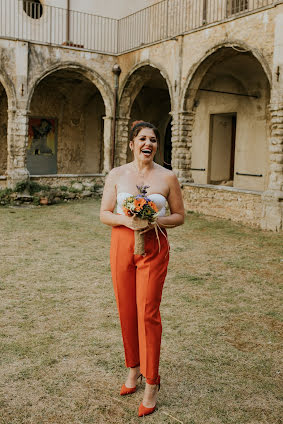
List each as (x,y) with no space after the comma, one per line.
(118,171)
(167,173)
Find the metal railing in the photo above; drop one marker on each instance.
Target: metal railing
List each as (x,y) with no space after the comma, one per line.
(170,18)
(31,21)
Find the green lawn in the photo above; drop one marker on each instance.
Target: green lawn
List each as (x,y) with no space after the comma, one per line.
(61,352)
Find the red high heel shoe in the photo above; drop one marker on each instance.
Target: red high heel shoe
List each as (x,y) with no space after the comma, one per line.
(129,390)
(143,410)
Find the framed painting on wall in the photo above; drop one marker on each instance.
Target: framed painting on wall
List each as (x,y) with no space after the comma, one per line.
(42,146)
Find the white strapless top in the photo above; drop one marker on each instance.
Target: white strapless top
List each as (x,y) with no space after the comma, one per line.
(158,199)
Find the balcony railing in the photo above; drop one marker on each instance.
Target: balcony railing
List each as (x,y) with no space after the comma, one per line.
(170,18)
(31,21)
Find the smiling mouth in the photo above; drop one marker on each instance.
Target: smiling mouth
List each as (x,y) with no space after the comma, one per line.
(146,151)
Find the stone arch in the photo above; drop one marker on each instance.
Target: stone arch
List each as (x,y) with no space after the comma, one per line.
(70,108)
(143,79)
(9,89)
(7,102)
(227,94)
(90,74)
(199,69)
(133,83)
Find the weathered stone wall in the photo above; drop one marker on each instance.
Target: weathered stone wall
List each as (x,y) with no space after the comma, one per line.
(237,205)
(65,180)
(3,183)
(3,130)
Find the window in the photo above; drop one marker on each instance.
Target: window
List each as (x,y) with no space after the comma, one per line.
(236,6)
(33,9)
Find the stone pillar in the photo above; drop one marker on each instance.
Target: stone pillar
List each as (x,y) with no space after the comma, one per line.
(272,199)
(107,144)
(17,140)
(122,140)
(182,124)
(272,216)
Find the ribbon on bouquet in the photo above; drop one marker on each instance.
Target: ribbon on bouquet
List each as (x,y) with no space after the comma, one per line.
(157,227)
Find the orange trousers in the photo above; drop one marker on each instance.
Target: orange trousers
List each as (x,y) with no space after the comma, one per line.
(138,282)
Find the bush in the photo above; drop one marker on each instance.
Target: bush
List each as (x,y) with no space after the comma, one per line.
(36,200)
(5,192)
(30,186)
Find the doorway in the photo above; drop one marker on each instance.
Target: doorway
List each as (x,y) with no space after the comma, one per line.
(221,158)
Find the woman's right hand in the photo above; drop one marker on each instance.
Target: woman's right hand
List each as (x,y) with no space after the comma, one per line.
(135,223)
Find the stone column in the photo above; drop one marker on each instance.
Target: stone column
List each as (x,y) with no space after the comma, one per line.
(107,144)
(122,140)
(182,124)
(17,140)
(272,199)
(272,216)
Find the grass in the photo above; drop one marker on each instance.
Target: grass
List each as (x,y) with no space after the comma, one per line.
(60,345)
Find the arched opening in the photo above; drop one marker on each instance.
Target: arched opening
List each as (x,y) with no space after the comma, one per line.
(150,101)
(229,93)
(3,129)
(66,126)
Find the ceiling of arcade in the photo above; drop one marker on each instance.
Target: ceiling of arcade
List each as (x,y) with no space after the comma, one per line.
(241,67)
(69,84)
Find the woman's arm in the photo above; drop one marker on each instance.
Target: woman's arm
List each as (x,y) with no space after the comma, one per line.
(108,203)
(176,205)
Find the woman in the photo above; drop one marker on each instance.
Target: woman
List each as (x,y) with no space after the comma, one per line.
(138,279)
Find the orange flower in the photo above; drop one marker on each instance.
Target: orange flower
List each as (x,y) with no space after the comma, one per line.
(126,211)
(153,206)
(139,203)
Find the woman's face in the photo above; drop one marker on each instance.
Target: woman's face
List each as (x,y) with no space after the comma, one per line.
(144,145)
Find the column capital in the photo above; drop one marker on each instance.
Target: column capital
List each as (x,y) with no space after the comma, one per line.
(274,106)
(19,112)
(123,118)
(182,113)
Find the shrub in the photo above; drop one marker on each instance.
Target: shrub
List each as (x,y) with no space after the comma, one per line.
(5,192)
(30,186)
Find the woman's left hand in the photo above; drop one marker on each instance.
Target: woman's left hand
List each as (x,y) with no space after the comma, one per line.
(150,226)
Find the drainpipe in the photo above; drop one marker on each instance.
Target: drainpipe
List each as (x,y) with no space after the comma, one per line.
(68,23)
(116,71)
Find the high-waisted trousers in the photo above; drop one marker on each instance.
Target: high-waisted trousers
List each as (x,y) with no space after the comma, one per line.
(138,282)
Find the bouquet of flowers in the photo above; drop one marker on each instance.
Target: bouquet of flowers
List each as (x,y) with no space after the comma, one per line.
(141,207)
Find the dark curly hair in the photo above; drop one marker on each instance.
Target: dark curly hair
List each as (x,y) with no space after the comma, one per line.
(139,125)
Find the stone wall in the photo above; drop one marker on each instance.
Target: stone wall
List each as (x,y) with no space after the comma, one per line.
(3,183)
(237,205)
(3,130)
(67,180)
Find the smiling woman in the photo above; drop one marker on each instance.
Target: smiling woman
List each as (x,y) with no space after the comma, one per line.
(140,136)
(138,278)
